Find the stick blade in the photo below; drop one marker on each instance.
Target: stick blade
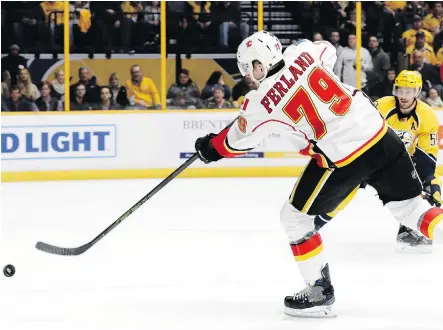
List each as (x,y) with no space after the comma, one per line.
(61,251)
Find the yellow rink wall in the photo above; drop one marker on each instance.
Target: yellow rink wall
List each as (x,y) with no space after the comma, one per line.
(135,144)
(199,68)
(156,173)
(150,173)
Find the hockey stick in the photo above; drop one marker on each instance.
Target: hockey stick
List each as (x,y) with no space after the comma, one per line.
(81,249)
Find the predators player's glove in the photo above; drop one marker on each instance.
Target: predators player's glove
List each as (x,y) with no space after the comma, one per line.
(432,190)
(206,152)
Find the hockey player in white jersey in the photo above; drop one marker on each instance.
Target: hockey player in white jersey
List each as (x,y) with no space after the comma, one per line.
(344,134)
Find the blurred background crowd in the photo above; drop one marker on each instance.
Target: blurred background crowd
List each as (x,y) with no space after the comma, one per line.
(396,35)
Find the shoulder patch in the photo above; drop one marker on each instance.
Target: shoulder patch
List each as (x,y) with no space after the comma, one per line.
(242,123)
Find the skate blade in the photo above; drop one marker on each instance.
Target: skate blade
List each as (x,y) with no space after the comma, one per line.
(313,312)
(418,249)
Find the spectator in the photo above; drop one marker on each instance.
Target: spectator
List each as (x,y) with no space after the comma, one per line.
(199,17)
(426,8)
(119,93)
(345,67)
(79,23)
(6,82)
(243,87)
(216,78)
(349,28)
(433,98)
(23,23)
(107,100)
(53,12)
(50,8)
(16,102)
(132,11)
(107,18)
(142,90)
(148,26)
(438,40)
(334,39)
(439,57)
(4,106)
(184,94)
(409,35)
(92,90)
(432,21)
(27,88)
(5,89)
(331,14)
(46,102)
(79,101)
(317,36)
(373,12)
(385,87)
(229,15)
(380,60)
(412,10)
(420,45)
(428,72)
(390,18)
(13,62)
(58,85)
(393,7)
(175,13)
(217,101)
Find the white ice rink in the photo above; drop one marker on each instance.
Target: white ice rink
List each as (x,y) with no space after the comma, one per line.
(203,254)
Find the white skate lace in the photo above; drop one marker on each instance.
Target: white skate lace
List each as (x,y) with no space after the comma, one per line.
(303,293)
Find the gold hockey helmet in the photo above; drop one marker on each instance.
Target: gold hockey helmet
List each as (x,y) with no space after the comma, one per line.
(408,84)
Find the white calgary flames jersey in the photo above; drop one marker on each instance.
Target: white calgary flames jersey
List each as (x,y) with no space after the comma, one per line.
(324,118)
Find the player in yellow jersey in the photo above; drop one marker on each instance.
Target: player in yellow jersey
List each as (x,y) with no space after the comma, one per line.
(416,124)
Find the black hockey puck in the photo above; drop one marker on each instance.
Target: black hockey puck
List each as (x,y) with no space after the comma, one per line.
(9,270)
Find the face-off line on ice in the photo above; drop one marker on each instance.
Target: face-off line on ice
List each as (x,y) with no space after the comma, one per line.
(352,143)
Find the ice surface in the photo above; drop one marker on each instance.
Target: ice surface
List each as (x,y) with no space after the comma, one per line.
(202,254)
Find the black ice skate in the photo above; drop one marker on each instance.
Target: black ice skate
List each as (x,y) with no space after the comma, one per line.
(314,300)
(409,240)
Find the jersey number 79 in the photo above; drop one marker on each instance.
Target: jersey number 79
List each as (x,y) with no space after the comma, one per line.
(326,90)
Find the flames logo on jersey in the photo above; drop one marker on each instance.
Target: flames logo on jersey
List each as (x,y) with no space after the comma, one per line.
(406,137)
(242,123)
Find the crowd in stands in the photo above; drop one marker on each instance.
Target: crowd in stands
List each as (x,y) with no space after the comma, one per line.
(122,26)
(137,93)
(396,35)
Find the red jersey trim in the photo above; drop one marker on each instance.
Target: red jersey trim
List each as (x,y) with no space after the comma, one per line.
(221,146)
(362,149)
(308,151)
(275,120)
(323,51)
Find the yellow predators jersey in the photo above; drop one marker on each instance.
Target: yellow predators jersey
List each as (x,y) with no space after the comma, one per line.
(418,130)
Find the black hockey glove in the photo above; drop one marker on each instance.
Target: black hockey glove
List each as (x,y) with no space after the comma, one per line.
(205,150)
(432,192)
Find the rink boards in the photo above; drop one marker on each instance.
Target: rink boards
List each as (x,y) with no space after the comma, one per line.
(132,144)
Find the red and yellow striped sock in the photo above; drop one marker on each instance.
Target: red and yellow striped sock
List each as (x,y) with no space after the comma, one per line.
(429,221)
(308,248)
